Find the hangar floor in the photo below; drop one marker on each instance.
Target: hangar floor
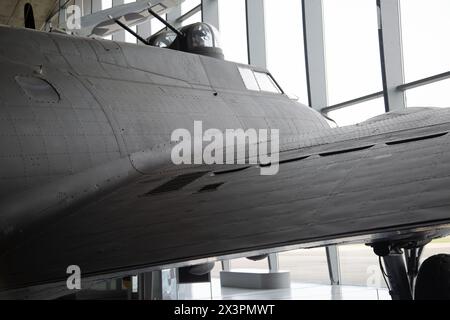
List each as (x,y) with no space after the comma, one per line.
(298,291)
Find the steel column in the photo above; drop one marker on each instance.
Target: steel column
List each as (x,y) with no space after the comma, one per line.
(390,38)
(96,5)
(274,265)
(256,33)
(173,15)
(80,4)
(150,286)
(87,7)
(62,14)
(226,265)
(144,30)
(334,269)
(315,53)
(210,12)
(119,35)
(313,35)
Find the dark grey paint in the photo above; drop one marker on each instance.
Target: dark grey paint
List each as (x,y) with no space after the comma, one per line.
(76,174)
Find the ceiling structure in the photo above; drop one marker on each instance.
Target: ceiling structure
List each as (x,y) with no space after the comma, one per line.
(11,11)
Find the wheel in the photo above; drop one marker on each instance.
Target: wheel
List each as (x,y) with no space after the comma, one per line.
(433,280)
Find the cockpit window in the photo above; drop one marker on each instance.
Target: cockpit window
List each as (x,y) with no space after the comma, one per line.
(249,79)
(266,83)
(258,81)
(163,40)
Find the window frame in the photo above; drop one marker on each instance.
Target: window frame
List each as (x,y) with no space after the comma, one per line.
(276,86)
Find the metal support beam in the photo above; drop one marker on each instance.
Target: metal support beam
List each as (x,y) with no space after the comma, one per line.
(412,258)
(96,5)
(80,4)
(226,265)
(274,265)
(352,102)
(129,30)
(62,14)
(210,12)
(164,22)
(119,35)
(424,81)
(173,15)
(150,286)
(403,87)
(188,14)
(256,33)
(87,7)
(313,34)
(316,74)
(390,39)
(144,30)
(397,277)
(334,269)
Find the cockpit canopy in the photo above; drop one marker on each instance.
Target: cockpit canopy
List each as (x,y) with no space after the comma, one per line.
(201,35)
(162,39)
(200,38)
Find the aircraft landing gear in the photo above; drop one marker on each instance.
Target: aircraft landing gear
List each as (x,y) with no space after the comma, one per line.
(400,267)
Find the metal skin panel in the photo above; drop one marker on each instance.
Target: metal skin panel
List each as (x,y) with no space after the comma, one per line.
(76,176)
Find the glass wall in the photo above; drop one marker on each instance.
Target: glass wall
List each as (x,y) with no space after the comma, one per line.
(360,266)
(187,6)
(106,4)
(285,47)
(358,112)
(197,17)
(128,36)
(306,265)
(426,34)
(157,25)
(426,50)
(352,49)
(233,30)
(433,95)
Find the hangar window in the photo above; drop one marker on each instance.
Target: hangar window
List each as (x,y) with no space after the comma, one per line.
(38,89)
(258,81)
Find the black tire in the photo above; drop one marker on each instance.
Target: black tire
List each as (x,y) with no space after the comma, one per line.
(433,280)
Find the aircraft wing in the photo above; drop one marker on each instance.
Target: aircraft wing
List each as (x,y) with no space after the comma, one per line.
(360,181)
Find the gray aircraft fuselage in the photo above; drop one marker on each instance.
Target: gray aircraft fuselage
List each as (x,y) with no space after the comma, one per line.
(82,118)
(118,105)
